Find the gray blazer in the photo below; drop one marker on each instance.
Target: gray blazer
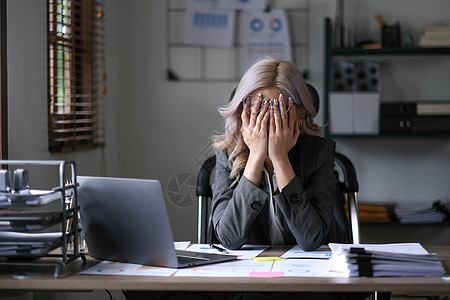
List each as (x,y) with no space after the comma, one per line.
(240,213)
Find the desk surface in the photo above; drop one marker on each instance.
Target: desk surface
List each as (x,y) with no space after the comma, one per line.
(70,281)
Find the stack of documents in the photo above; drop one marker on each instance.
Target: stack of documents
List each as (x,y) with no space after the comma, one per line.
(436,35)
(376,260)
(19,244)
(29,197)
(436,212)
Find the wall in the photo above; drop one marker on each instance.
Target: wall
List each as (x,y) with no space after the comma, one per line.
(160,129)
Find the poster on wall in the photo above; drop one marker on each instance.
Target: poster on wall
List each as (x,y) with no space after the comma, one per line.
(243,4)
(207,25)
(264,34)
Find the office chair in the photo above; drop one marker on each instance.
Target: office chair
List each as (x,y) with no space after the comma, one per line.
(346,192)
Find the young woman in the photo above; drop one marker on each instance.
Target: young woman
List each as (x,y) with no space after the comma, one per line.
(274,181)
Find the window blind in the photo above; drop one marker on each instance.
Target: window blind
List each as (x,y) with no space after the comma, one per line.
(77,75)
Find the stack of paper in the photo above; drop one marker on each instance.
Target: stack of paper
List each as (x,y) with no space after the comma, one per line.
(436,35)
(376,260)
(436,212)
(30,197)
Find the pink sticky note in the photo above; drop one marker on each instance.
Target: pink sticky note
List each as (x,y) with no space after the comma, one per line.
(266,274)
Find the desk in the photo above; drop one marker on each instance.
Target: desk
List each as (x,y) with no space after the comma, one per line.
(74,282)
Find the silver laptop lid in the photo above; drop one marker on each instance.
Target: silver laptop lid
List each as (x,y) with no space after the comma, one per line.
(126,220)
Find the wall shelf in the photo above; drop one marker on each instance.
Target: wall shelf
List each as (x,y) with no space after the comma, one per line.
(357,54)
(388,51)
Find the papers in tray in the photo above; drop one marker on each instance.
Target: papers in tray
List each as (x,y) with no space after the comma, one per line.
(30,198)
(376,260)
(18,244)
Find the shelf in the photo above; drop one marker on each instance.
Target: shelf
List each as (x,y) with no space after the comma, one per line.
(445,224)
(388,136)
(389,51)
(333,54)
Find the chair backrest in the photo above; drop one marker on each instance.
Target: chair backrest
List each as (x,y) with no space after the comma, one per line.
(204,194)
(346,192)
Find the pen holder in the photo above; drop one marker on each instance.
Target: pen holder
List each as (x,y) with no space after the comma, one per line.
(391,36)
(81,242)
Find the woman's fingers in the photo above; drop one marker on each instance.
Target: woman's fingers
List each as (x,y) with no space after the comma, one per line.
(265,119)
(283,104)
(261,113)
(245,117)
(292,115)
(254,109)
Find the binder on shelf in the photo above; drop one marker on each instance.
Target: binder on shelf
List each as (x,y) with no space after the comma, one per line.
(411,118)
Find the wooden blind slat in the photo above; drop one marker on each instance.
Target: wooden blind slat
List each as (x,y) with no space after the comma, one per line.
(76,74)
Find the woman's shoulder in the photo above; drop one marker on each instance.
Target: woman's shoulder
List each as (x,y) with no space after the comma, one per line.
(222,158)
(221,153)
(315,141)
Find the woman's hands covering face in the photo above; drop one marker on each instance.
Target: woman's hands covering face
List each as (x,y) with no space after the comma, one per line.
(268,133)
(283,130)
(255,128)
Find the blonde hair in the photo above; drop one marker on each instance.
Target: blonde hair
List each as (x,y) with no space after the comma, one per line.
(266,73)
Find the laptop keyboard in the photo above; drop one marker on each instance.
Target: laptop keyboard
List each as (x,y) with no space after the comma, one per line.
(185,259)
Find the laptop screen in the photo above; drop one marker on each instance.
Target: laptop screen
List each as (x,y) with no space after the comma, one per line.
(126,220)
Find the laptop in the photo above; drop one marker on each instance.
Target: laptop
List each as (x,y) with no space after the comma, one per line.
(126,220)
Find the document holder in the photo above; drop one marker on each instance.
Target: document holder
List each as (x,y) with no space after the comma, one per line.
(22,240)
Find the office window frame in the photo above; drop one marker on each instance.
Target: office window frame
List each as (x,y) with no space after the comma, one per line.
(76,75)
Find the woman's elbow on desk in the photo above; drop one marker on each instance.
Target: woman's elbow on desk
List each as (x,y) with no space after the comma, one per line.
(229,241)
(311,241)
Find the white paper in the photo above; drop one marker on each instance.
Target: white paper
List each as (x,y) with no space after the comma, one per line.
(400,248)
(125,269)
(206,25)
(246,252)
(237,268)
(181,245)
(323,252)
(307,268)
(264,34)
